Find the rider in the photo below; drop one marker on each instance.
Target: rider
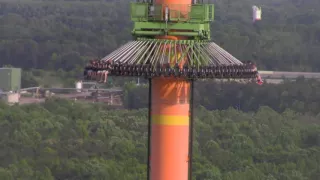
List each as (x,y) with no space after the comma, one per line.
(255,69)
(105,71)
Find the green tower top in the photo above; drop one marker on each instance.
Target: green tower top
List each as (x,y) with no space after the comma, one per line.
(192,21)
(194,57)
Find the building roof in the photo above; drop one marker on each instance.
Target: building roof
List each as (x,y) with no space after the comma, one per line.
(2,68)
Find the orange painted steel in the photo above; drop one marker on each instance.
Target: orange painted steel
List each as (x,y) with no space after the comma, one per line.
(176,6)
(169,2)
(173,61)
(170,116)
(170,129)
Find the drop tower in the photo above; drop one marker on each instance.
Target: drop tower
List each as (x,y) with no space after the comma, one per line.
(172,48)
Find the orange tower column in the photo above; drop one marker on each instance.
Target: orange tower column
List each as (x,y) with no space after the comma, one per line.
(170,116)
(170,119)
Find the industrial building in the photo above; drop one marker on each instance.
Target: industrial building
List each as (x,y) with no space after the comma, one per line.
(10,84)
(10,79)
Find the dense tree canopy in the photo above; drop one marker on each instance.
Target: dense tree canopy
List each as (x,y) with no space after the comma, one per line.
(66,140)
(56,34)
(301,96)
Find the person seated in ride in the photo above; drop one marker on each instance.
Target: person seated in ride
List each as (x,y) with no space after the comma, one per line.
(255,69)
(105,73)
(87,70)
(90,69)
(259,80)
(251,65)
(99,71)
(105,70)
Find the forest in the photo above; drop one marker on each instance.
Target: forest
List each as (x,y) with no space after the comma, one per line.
(53,34)
(65,140)
(242,131)
(302,96)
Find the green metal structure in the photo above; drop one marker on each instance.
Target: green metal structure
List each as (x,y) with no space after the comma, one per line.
(10,79)
(192,21)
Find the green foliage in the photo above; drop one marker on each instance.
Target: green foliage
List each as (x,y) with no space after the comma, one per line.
(65,140)
(55,34)
(64,34)
(301,96)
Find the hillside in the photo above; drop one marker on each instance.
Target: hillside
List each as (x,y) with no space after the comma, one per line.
(64,34)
